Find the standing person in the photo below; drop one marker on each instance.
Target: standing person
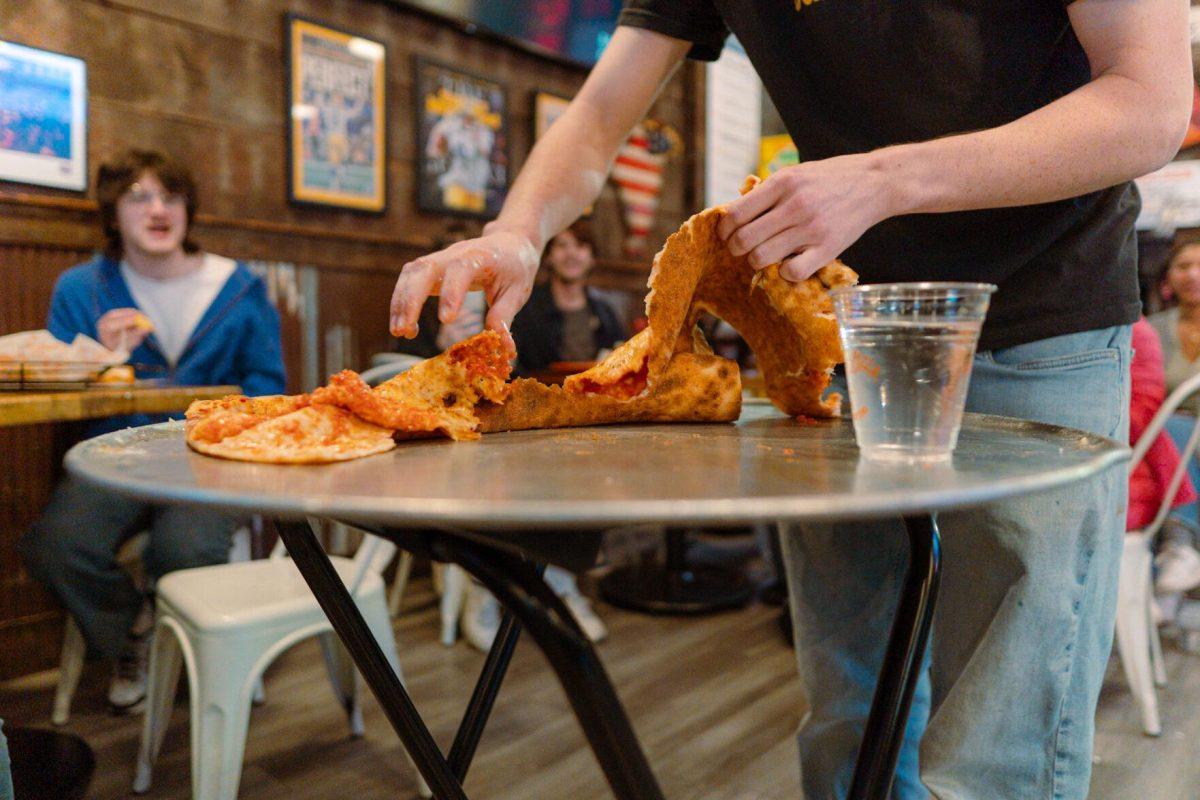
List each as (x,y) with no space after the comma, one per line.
(940,140)
(210,323)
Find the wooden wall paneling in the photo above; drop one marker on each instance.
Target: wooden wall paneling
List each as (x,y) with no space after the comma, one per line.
(356,302)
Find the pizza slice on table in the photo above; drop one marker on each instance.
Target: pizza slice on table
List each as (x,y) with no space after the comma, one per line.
(315,434)
(694,389)
(439,394)
(215,420)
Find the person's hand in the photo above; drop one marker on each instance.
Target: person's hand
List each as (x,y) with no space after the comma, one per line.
(123,329)
(503,263)
(805,216)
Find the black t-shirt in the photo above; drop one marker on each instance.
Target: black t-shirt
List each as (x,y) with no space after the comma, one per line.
(849,76)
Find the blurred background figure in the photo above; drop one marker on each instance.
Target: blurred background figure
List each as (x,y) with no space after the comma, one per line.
(1178,331)
(565,320)
(202,320)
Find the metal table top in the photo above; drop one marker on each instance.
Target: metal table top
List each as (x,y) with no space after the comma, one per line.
(765,467)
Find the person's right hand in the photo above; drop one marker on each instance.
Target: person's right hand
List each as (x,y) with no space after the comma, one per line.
(123,329)
(503,263)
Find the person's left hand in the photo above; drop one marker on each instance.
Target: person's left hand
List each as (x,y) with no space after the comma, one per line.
(805,216)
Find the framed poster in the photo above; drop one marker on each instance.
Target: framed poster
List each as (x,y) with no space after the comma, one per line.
(336,129)
(462,141)
(547,108)
(43,117)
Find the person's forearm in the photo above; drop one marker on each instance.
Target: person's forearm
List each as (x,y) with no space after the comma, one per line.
(567,167)
(1100,135)
(562,176)
(1127,121)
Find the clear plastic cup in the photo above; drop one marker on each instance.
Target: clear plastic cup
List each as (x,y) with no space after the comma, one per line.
(908,350)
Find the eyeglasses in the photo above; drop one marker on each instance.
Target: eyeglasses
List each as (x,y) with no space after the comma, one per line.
(138,196)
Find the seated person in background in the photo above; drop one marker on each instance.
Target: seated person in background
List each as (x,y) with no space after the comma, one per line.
(564,320)
(212,324)
(1151,478)
(567,323)
(1178,327)
(1178,330)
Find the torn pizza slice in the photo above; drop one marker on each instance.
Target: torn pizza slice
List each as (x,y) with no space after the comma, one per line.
(439,394)
(621,376)
(214,420)
(315,434)
(789,326)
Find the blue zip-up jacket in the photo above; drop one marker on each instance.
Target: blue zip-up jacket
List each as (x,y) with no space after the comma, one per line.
(236,341)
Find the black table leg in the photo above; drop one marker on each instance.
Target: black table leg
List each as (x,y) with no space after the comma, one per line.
(876,765)
(484,696)
(337,604)
(520,589)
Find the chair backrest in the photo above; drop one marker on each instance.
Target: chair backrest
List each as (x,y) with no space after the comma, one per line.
(373,553)
(1181,394)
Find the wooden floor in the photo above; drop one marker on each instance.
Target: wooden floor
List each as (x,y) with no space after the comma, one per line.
(714,700)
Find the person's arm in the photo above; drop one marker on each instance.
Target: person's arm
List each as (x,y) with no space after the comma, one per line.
(68,311)
(562,176)
(1127,121)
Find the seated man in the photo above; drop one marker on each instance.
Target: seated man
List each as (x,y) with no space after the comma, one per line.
(201,318)
(563,320)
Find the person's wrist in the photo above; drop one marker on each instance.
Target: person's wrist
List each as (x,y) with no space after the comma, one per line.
(894,185)
(498,226)
(529,248)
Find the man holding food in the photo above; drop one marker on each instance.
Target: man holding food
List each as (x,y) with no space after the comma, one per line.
(201,320)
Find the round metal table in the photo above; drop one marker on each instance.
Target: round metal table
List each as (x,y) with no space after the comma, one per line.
(504,504)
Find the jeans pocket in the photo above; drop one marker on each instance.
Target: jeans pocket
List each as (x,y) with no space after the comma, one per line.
(1076,381)
(1020,358)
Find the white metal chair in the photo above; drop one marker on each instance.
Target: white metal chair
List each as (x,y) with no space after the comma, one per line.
(226,624)
(1137,636)
(74,649)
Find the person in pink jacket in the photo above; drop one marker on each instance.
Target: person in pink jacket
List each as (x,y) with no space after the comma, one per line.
(1150,478)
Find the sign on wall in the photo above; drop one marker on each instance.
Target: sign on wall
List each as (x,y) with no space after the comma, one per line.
(337,119)
(43,117)
(1170,198)
(462,141)
(732,124)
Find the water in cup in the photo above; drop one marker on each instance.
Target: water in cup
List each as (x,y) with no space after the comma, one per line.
(908,383)
(908,351)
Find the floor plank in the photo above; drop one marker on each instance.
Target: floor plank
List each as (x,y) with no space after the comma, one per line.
(713,699)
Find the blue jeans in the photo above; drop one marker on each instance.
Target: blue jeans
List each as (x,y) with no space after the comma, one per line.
(1006,702)
(72,550)
(1179,428)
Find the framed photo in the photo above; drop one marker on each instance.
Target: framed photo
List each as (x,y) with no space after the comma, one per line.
(43,118)
(547,108)
(337,118)
(462,142)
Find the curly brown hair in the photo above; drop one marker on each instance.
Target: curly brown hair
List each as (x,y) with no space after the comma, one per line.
(114,178)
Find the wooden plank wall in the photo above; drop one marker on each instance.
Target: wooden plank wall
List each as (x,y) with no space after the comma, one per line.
(204,81)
